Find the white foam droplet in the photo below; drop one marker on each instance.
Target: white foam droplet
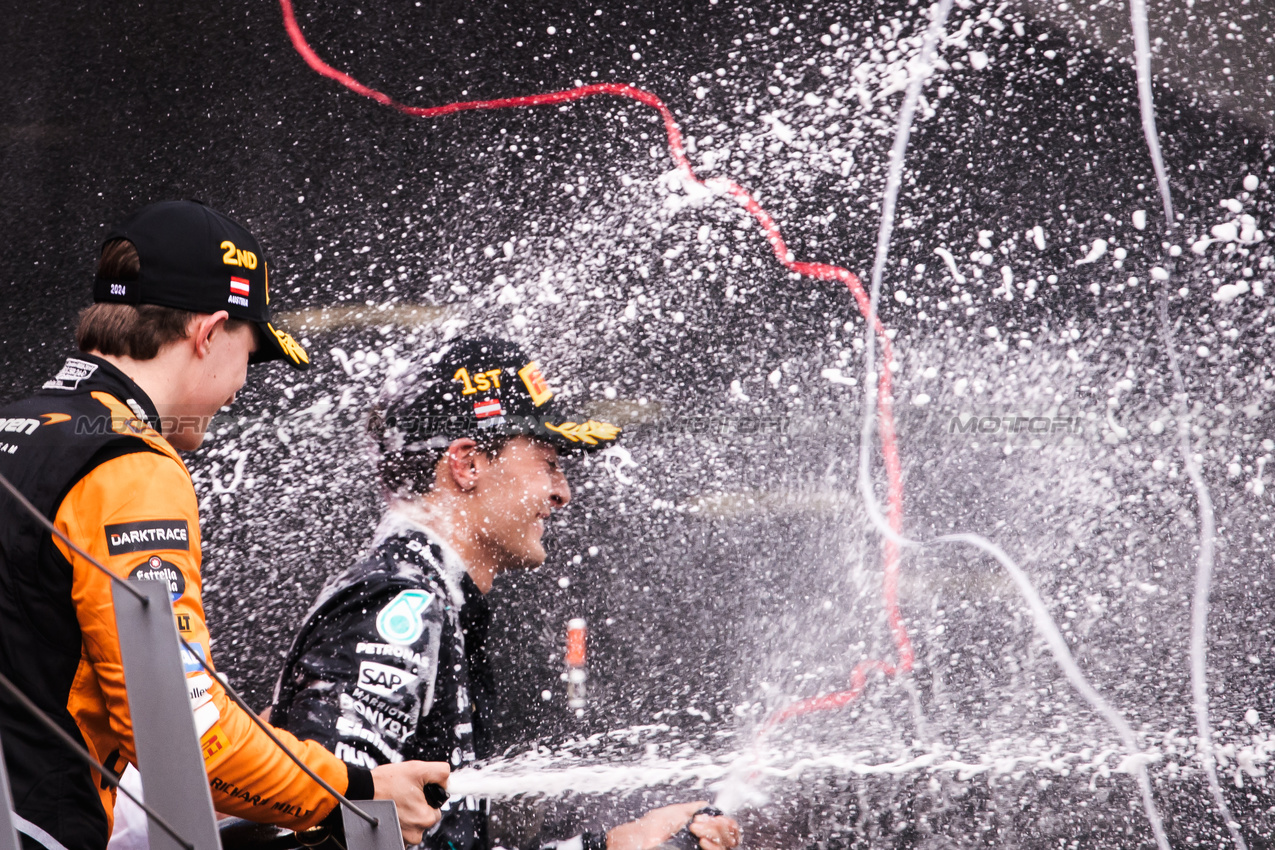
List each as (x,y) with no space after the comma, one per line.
(1250,185)
(978,60)
(1099,248)
(1140,219)
(1228,292)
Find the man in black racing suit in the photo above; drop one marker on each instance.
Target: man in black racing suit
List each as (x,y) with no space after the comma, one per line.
(391,661)
(372,701)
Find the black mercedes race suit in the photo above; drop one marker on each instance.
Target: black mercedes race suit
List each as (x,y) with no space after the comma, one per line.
(391,665)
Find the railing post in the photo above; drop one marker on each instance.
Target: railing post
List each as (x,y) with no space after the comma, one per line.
(8,832)
(361,835)
(169,757)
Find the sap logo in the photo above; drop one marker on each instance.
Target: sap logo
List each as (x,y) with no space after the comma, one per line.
(235,257)
(383,679)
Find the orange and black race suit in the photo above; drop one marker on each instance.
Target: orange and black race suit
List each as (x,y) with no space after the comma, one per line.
(85,451)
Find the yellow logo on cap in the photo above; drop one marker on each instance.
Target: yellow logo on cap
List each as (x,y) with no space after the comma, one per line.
(290,346)
(535,383)
(586,432)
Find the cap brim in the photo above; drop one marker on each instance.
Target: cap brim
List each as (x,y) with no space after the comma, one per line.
(274,344)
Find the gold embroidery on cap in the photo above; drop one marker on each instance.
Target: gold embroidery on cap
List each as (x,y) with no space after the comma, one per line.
(290,346)
(586,432)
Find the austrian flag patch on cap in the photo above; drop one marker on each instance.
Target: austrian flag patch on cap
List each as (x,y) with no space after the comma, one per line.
(488,409)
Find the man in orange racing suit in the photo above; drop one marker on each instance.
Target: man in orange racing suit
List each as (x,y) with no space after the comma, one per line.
(181,309)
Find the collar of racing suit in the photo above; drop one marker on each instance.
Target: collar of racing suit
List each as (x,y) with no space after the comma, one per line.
(398,522)
(104,376)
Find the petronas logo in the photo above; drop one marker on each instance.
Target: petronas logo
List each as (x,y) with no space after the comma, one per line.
(400,621)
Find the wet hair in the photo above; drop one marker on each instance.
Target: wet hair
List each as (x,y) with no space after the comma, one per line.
(411,472)
(137,331)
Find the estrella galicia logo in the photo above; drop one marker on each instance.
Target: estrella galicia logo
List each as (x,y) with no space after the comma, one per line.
(148,536)
(157,569)
(400,621)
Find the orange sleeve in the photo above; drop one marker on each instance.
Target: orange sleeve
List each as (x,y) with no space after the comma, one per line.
(138,515)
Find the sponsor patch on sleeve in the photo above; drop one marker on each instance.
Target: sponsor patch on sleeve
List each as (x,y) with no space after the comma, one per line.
(157,569)
(383,679)
(149,536)
(400,621)
(190,664)
(214,743)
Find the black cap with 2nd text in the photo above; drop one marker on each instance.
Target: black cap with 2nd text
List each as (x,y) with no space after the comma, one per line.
(194,258)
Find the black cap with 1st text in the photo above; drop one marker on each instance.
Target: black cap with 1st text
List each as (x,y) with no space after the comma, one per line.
(194,258)
(476,387)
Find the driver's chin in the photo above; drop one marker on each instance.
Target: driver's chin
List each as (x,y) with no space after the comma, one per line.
(186,440)
(531,555)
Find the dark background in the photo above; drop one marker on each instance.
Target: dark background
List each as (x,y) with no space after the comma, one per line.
(737,572)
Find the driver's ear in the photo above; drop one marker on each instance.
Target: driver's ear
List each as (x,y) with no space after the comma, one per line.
(463,463)
(202,329)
